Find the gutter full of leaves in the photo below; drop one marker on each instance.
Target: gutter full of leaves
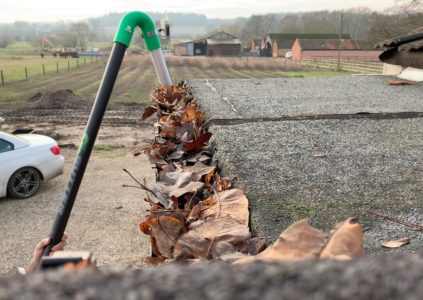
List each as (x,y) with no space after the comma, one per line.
(196,215)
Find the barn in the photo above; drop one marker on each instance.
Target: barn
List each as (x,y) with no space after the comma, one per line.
(328,48)
(216,44)
(280,43)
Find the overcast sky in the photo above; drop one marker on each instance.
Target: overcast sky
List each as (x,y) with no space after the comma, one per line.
(54,10)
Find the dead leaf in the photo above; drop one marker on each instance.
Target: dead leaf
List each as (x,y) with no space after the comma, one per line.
(395,243)
(298,241)
(198,144)
(194,214)
(191,187)
(193,115)
(148,112)
(346,241)
(201,238)
(400,82)
(252,246)
(166,229)
(231,203)
(222,248)
(200,168)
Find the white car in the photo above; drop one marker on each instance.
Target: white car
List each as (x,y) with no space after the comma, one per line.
(25,161)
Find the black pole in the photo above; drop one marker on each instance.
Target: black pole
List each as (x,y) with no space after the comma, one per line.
(87,143)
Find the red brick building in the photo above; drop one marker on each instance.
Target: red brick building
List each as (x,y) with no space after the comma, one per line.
(280,43)
(328,48)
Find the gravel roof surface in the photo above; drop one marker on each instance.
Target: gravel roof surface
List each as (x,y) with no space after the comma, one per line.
(326,169)
(272,98)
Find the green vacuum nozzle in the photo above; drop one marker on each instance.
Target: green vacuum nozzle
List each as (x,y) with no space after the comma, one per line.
(127,27)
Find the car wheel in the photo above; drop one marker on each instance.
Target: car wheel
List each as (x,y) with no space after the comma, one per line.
(24,183)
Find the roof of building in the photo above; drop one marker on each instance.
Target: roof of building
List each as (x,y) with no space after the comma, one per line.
(294,36)
(406,51)
(223,42)
(330,44)
(413,41)
(286,40)
(216,38)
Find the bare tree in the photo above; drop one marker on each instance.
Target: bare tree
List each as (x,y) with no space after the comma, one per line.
(258,26)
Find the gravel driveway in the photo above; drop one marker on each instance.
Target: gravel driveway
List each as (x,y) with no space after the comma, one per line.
(105,216)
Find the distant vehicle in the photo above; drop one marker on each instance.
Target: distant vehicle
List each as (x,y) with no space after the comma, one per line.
(288,55)
(25,161)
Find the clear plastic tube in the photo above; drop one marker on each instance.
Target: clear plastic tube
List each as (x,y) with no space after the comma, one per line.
(160,67)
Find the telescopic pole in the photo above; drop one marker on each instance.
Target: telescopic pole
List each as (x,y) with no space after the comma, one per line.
(121,42)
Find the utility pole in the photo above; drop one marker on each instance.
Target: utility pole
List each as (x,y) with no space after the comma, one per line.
(339,45)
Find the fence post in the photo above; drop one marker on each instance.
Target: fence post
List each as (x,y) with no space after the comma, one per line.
(57,67)
(26,74)
(91,58)
(68,65)
(77,62)
(85,61)
(2,77)
(44,70)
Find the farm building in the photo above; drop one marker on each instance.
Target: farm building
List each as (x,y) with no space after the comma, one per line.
(216,44)
(280,43)
(328,48)
(403,56)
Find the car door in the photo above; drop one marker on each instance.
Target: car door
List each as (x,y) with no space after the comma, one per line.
(6,148)
(11,159)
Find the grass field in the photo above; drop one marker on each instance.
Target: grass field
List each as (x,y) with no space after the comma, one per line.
(137,77)
(13,67)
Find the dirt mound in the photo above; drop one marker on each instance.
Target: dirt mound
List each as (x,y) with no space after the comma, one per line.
(59,99)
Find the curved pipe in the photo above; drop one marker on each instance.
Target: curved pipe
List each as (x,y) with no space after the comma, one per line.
(124,35)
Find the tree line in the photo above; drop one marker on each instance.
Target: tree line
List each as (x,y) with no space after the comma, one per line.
(360,23)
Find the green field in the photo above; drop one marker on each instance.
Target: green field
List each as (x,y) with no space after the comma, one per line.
(13,67)
(137,77)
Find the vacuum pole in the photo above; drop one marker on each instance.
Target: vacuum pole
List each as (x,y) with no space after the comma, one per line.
(122,40)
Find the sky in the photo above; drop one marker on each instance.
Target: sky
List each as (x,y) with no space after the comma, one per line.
(55,10)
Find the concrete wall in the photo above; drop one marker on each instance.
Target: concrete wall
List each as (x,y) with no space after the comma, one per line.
(224,50)
(389,69)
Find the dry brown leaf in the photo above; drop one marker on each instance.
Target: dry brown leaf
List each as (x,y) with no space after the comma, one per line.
(222,183)
(148,112)
(231,203)
(202,236)
(193,115)
(395,243)
(176,179)
(198,144)
(194,213)
(222,248)
(298,241)
(400,82)
(346,241)
(166,230)
(191,187)
(200,168)
(252,246)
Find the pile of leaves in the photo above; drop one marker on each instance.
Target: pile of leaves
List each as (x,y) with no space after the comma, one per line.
(195,214)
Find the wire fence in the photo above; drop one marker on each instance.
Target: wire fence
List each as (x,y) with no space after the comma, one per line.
(25,73)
